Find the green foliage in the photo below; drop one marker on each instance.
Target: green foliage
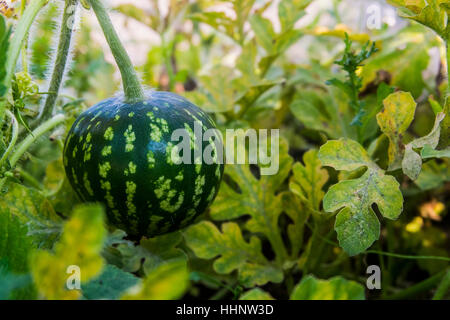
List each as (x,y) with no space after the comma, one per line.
(167,282)
(32,209)
(80,245)
(5,33)
(350,62)
(363,162)
(394,120)
(336,288)
(356,224)
(110,284)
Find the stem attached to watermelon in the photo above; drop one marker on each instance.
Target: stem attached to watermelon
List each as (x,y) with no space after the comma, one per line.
(62,55)
(132,87)
(20,34)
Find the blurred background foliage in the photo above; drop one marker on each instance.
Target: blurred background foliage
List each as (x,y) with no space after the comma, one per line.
(251,64)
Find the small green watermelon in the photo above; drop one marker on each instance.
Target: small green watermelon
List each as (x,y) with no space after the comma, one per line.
(120,154)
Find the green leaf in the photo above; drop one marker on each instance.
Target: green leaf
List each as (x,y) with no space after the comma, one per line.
(235,253)
(35,211)
(256,294)
(167,282)
(149,255)
(404,61)
(412,162)
(5,33)
(308,179)
(80,245)
(138,14)
(431,14)
(110,285)
(356,224)
(10,282)
(58,189)
(256,198)
(327,111)
(429,152)
(295,210)
(264,32)
(433,175)
(162,250)
(394,120)
(219,84)
(219,21)
(15,247)
(336,288)
(290,11)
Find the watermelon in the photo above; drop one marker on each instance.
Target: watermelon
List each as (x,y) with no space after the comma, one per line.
(120,154)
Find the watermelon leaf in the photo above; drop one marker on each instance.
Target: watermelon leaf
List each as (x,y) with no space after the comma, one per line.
(235,253)
(167,282)
(35,211)
(394,120)
(110,284)
(336,288)
(356,224)
(256,294)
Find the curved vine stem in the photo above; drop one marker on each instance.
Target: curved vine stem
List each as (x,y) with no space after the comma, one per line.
(14,136)
(62,55)
(36,134)
(131,85)
(20,34)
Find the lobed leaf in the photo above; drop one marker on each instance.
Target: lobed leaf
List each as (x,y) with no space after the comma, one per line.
(356,225)
(308,179)
(256,294)
(412,161)
(233,251)
(35,211)
(256,198)
(110,284)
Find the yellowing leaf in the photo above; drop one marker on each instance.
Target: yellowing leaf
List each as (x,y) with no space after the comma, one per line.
(339,31)
(336,288)
(394,120)
(344,154)
(430,13)
(34,210)
(256,294)
(167,282)
(356,224)
(80,245)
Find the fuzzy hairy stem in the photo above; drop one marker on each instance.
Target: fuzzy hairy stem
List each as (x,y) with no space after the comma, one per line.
(131,85)
(62,55)
(36,134)
(14,136)
(19,37)
(25,45)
